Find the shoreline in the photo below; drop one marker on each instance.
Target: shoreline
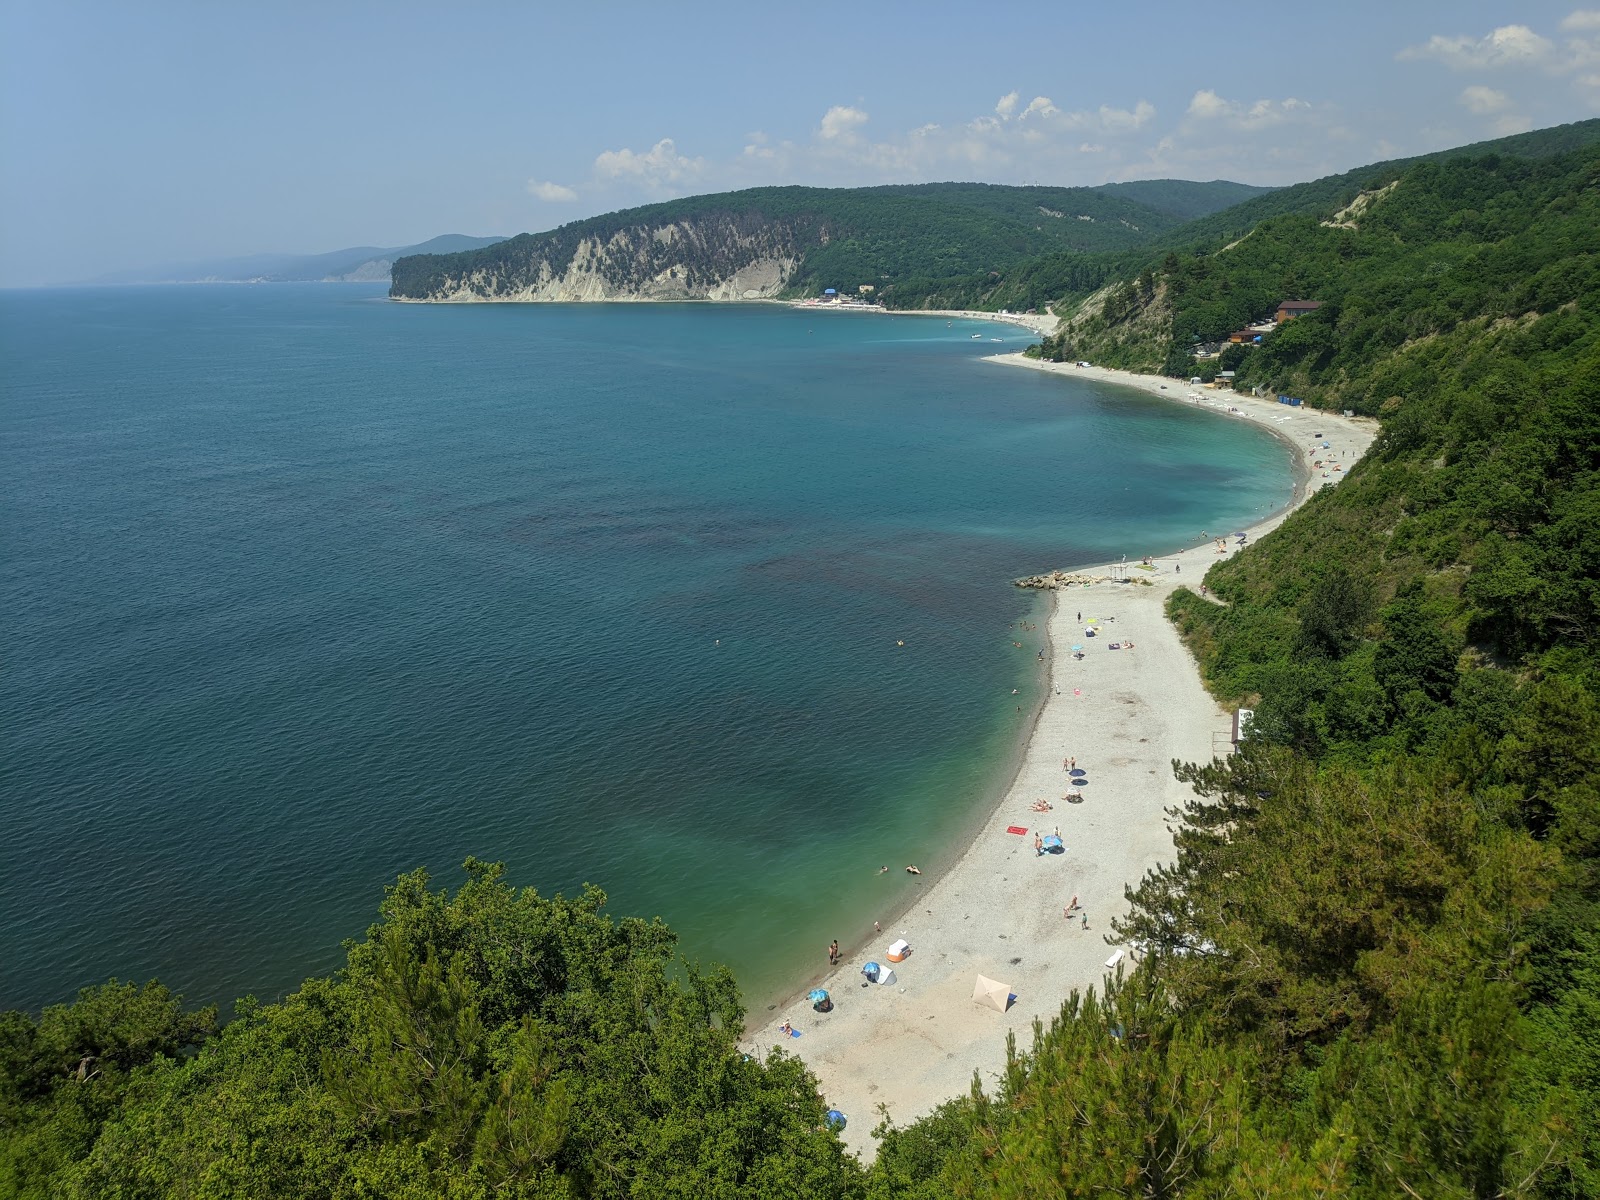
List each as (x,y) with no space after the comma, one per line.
(1040,323)
(997,908)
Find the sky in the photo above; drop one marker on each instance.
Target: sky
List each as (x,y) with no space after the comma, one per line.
(160,132)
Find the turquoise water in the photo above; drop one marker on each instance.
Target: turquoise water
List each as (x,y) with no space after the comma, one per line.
(304,589)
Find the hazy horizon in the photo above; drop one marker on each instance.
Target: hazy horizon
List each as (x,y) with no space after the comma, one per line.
(172,133)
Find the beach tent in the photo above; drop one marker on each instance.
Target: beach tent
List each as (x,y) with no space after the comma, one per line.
(899,950)
(992,993)
(886,976)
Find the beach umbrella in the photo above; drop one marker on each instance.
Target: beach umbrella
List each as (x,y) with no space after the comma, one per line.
(1051,842)
(1080,782)
(1077,646)
(817,996)
(836,1119)
(1077,772)
(991,993)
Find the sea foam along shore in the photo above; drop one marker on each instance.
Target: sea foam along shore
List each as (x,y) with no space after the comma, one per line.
(1124,714)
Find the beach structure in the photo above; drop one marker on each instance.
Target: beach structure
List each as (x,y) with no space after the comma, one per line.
(899,950)
(991,993)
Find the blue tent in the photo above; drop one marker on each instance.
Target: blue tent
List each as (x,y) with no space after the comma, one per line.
(835,1119)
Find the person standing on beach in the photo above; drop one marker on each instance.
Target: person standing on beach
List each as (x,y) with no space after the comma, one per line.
(833,953)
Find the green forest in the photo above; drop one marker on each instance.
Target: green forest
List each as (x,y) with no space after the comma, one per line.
(1372,970)
(895,238)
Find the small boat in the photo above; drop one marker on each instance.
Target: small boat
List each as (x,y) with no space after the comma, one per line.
(978,336)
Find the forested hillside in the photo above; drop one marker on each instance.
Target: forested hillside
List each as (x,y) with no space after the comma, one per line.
(1062,278)
(895,239)
(490,1043)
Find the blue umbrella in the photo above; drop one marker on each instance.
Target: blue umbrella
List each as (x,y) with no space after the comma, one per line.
(817,995)
(870,967)
(835,1119)
(1077,772)
(1051,842)
(1080,782)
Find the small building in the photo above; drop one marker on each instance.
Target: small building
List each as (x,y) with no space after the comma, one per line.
(1245,337)
(1290,309)
(866,289)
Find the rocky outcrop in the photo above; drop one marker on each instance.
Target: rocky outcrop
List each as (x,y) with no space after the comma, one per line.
(722,256)
(1056,580)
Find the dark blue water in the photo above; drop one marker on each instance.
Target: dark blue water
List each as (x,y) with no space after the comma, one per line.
(303,589)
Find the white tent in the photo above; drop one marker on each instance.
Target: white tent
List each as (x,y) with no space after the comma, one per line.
(991,992)
(886,976)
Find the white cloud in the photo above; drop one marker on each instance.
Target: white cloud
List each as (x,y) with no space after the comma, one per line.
(840,122)
(551,193)
(1007,106)
(1484,101)
(660,166)
(1507,46)
(1110,118)
(1039,106)
(1207,105)
(1583,20)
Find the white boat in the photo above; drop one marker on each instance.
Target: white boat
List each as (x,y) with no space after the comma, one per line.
(978,335)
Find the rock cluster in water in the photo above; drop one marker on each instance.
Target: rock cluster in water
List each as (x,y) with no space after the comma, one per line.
(1058,579)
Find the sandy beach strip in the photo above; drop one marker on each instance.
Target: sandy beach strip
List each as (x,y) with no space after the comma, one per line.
(1124,715)
(1040,323)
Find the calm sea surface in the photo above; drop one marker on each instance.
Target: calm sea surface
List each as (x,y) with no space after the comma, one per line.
(303,589)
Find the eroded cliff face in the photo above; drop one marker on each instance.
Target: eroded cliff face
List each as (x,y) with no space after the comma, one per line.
(727,257)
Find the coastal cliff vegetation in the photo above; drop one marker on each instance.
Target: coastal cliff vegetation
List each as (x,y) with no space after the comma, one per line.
(900,241)
(1372,970)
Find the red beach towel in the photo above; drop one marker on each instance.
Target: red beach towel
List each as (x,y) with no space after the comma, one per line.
(1017,829)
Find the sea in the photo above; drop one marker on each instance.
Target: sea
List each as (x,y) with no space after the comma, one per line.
(707,605)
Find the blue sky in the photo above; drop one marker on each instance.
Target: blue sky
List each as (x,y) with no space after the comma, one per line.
(134,134)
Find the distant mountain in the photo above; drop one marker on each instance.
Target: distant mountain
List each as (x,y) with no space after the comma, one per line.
(355,264)
(762,242)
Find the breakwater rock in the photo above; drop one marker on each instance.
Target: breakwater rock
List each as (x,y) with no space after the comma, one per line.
(1055,580)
